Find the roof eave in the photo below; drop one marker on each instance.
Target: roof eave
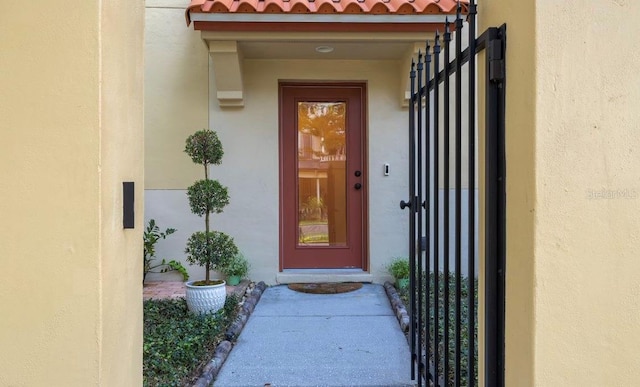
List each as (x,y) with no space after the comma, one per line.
(319,23)
(318,18)
(324,27)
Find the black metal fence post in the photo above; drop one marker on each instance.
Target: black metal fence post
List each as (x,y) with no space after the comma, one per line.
(495,220)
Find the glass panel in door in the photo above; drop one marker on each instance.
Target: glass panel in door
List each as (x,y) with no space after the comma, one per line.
(321,178)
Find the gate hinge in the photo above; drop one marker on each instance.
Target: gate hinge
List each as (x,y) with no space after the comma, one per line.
(496,61)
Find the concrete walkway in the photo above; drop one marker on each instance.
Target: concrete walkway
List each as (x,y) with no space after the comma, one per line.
(299,339)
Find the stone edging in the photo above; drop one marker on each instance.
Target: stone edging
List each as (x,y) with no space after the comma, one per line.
(398,306)
(221,353)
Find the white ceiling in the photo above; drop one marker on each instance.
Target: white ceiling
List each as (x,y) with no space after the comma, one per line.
(306,50)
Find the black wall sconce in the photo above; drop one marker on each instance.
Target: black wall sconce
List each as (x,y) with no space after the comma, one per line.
(128,201)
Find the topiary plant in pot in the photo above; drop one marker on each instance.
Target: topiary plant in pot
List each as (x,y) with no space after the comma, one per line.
(211,249)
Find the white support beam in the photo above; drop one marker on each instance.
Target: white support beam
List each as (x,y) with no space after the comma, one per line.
(226,60)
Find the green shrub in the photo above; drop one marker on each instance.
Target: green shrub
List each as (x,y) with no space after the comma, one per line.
(199,250)
(177,344)
(237,266)
(150,238)
(204,147)
(399,268)
(464,333)
(207,196)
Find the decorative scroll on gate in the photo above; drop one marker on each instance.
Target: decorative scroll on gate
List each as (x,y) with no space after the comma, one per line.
(443,203)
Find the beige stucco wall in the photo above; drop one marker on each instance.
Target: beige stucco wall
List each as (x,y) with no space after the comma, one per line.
(176,93)
(181,97)
(573,192)
(71,132)
(251,171)
(182,83)
(256,198)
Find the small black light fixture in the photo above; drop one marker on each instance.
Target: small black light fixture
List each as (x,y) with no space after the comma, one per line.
(128,202)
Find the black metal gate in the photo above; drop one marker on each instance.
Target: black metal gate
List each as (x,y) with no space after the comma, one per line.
(444,226)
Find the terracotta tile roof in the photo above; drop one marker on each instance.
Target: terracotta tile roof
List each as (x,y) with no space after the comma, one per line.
(362,7)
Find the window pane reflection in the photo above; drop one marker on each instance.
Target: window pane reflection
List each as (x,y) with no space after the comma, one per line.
(322,159)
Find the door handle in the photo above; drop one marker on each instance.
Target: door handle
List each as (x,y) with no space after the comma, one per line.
(357,186)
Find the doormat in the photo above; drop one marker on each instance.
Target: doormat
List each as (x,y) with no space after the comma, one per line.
(326,287)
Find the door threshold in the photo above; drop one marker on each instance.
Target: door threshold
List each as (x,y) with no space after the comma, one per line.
(288,276)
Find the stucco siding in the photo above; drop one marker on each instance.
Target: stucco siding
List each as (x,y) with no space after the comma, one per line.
(176,93)
(121,160)
(250,166)
(587,244)
(70,134)
(178,100)
(572,192)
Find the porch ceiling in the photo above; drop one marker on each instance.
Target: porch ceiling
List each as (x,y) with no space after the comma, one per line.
(235,30)
(341,50)
(228,50)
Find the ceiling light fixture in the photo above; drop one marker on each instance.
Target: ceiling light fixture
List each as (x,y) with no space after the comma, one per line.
(324,49)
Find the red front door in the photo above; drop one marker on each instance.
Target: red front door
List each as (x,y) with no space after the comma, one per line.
(322,176)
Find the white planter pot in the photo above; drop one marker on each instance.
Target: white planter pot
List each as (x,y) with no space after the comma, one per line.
(205,299)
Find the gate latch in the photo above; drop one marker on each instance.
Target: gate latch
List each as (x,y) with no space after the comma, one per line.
(404,204)
(411,204)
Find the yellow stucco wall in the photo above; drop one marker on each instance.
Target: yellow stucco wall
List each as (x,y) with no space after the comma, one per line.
(122,159)
(573,192)
(70,133)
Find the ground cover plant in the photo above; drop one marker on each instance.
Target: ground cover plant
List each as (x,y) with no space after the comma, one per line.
(177,343)
(464,334)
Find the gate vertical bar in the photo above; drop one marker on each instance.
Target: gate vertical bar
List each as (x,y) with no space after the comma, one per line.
(458,188)
(412,219)
(427,207)
(447,176)
(495,207)
(471,293)
(421,358)
(436,205)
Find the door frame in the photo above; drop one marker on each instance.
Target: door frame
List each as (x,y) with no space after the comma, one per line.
(362,85)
